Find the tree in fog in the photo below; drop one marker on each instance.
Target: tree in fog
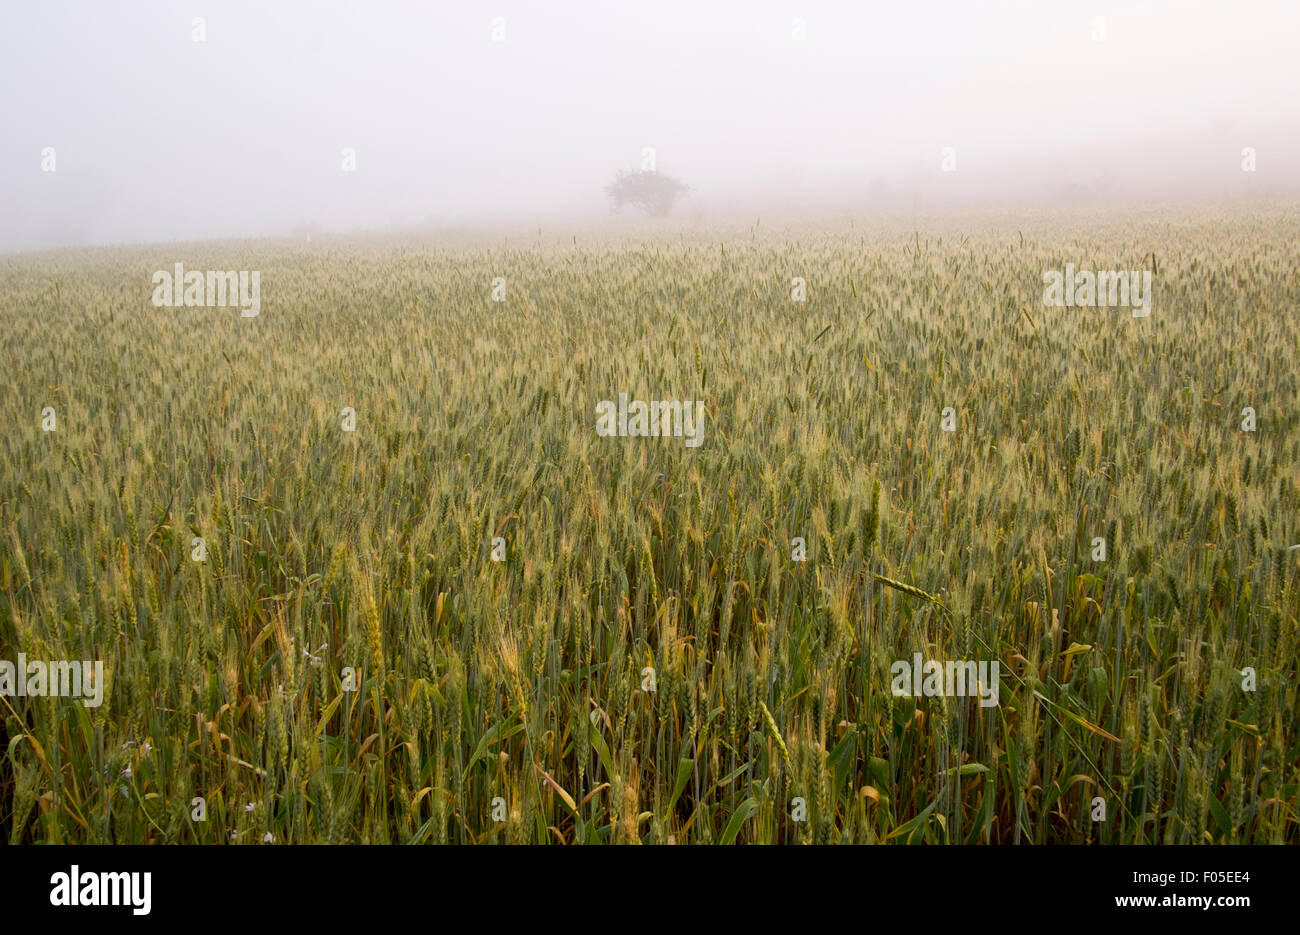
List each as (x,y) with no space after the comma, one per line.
(652,193)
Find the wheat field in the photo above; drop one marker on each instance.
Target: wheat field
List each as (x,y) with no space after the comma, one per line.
(650,663)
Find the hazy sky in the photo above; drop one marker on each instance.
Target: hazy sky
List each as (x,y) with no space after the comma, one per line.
(157,136)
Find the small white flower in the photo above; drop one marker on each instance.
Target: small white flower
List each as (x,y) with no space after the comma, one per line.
(250,806)
(267,838)
(126,773)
